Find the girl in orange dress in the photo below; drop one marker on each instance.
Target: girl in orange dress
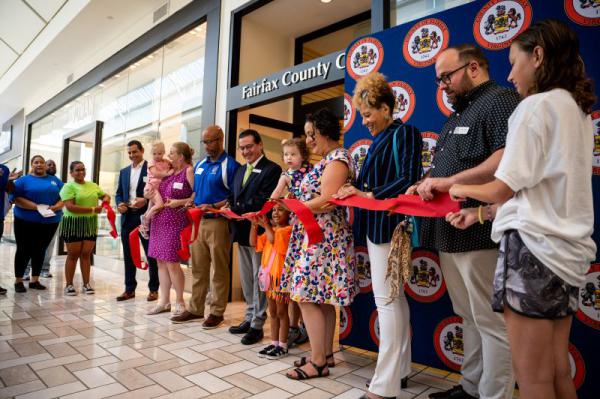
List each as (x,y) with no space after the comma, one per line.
(273,244)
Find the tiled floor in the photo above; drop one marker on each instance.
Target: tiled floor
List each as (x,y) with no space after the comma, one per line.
(94,347)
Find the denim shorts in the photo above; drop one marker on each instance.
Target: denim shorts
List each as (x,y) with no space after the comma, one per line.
(528,287)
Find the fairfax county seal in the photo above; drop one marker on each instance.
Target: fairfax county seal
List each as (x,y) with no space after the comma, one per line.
(345,321)
(583,12)
(374,327)
(589,298)
(500,21)
(363,267)
(405,100)
(425,283)
(358,153)
(596,130)
(349,112)
(428,149)
(442,102)
(424,41)
(577,366)
(448,342)
(366,56)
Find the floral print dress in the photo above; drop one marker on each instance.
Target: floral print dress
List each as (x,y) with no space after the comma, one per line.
(323,273)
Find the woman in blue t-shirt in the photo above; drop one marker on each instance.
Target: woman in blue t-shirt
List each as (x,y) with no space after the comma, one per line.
(35,195)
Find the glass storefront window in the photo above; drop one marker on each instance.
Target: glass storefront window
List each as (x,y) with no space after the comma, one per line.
(409,10)
(157,97)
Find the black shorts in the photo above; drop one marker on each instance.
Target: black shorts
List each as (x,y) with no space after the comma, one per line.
(71,239)
(528,287)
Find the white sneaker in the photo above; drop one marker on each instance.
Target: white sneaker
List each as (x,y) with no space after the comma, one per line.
(87,289)
(70,290)
(159,309)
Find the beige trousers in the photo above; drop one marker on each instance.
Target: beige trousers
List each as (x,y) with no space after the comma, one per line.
(212,248)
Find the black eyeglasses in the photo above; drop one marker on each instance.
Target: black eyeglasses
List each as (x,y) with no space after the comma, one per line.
(446,77)
(208,142)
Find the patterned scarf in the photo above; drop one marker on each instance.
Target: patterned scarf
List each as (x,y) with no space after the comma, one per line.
(399,259)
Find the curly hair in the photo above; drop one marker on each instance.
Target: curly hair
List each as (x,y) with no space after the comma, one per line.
(300,144)
(373,91)
(326,122)
(562,65)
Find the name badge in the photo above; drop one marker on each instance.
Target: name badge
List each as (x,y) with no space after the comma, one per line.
(145,179)
(178,185)
(256,170)
(199,171)
(461,130)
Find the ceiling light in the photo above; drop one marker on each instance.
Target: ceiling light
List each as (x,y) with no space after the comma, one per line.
(325,1)
(117,76)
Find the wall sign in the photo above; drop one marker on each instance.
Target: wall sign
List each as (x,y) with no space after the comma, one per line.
(300,77)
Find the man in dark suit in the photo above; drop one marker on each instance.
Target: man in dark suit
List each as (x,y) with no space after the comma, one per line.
(131,204)
(252,185)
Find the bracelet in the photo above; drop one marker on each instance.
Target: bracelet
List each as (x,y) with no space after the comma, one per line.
(488,214)
(480,214)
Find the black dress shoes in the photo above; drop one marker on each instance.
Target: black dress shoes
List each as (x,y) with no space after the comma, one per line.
(252,336)
(456,392)
(241,328)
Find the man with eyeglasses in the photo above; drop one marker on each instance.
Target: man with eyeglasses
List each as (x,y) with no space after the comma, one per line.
(468,151)
(213,179)
(252,185)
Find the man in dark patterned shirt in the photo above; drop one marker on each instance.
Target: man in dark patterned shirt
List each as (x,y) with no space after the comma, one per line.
(468,151)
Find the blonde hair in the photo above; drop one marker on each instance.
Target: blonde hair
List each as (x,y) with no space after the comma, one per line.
(298,143)
(185,150)
(373,91)
(159,145)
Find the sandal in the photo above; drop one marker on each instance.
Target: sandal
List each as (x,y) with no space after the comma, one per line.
(322,371)
(303,360)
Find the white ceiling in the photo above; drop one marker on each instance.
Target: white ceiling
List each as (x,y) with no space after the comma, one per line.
(299,17)
(21,21)
(84,33)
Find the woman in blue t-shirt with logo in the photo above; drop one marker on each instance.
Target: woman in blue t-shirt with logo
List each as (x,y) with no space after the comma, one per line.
(37,213)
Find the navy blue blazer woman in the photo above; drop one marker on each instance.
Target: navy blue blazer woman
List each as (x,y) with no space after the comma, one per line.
(392,165)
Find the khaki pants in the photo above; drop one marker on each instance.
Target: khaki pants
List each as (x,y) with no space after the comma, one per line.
(213,246)
(487,368)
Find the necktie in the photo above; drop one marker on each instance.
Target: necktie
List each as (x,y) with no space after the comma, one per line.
(249,169)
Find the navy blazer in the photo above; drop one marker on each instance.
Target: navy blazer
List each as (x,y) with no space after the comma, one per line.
(122,194)
(253,195)
(380,175)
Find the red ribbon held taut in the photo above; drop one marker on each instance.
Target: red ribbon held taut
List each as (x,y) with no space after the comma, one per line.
(406,204)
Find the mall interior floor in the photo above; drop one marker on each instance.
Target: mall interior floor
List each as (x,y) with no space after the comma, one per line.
(89,347)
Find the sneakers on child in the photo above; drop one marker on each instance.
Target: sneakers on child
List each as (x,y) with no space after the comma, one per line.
(277,353)
(266,350)
(70,290)
(87,289)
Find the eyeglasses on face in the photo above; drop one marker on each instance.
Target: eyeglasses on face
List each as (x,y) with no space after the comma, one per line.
(210,141)
(247,147)
(445,78)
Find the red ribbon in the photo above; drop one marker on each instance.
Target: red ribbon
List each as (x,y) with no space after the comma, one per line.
(195,215)
(110,215)
(305,215)
(312,228)
(411,205)
(134,248)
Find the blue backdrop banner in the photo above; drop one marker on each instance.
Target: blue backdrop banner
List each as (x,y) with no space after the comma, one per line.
(405,55)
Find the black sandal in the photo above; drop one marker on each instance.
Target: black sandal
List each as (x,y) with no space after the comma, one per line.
(302,375)
(303,360)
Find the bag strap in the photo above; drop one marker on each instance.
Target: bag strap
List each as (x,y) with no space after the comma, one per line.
(271,258)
